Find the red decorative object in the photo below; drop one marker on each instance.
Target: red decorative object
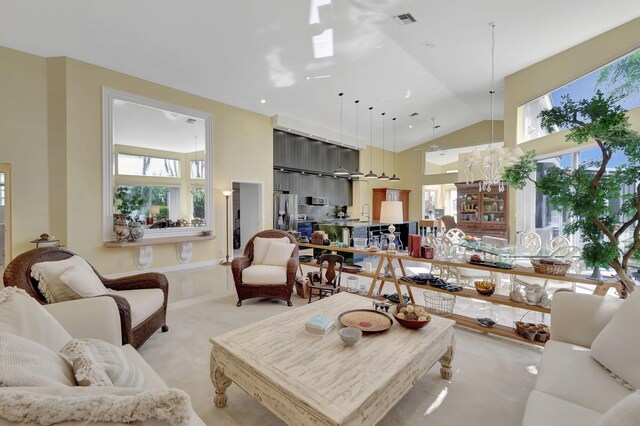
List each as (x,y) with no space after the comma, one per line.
(415,242)
(427,252)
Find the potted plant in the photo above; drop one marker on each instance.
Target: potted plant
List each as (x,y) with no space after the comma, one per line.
(128,202)
(585,191)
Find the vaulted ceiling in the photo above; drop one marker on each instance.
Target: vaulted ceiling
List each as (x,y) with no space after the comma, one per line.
(297,55)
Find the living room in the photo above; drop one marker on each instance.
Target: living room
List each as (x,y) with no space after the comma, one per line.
(63,70)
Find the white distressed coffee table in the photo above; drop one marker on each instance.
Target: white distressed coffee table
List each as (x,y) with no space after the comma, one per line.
(313,380)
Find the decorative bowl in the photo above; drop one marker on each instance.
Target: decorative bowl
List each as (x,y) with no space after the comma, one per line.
(485,288)
(415,324)
(350,335)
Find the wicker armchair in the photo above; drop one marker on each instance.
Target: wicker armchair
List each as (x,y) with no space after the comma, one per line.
(449,222)
(281,290)
(18,274)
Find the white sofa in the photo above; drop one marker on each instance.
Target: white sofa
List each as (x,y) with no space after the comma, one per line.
(572,388)
(75,316)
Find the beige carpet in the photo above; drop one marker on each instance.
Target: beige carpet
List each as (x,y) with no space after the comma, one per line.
(492,377)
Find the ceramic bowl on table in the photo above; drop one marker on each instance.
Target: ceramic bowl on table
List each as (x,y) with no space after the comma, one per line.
(350,335)
(406,315)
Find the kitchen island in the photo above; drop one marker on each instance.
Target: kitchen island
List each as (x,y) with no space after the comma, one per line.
(365,230)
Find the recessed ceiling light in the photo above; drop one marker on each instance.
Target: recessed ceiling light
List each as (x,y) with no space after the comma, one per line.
(263,101)
(308,77)
(288,130)
(310,135)
(411,126)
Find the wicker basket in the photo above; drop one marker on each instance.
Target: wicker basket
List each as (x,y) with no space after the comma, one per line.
(440,304)
(550,267)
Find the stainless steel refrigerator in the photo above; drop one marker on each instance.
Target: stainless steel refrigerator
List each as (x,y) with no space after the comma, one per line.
(285,212)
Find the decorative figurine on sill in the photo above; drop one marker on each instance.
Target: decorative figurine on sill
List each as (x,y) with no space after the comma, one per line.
(534,294)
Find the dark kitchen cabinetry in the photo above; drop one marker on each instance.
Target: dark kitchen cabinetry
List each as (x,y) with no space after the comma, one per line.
(278,149)
(281,180)
(308,165)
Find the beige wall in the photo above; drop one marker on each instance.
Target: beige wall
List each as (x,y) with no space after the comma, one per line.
(23,143)
(67,201)
(554,72)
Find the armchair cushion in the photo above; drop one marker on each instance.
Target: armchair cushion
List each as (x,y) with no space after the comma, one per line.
(261,248)
(27,363)
(67,279)
(617,347)
(144,303)
(22,315)
(278,254)
(264,274)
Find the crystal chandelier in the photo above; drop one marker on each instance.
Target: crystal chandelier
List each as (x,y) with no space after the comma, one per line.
(489,167)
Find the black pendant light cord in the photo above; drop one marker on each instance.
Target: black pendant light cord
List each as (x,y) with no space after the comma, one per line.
(394,146)
(371,134)
(383,141)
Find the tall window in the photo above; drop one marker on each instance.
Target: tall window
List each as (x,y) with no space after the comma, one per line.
(197,169)
(139,165)
(619,78)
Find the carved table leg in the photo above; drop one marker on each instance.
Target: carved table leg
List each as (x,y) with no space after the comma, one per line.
(445,371)
(220,382)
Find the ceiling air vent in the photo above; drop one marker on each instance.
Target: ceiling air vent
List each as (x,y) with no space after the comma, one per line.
(190,120)
(404,19)
(414,114)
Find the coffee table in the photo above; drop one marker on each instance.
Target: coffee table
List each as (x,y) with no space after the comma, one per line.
(311,380)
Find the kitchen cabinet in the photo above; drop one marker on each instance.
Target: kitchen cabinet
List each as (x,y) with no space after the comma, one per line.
(296,152)
(330,161)
(390,194)
(307,187)
(317,156)
(342,192)
(324,188)
(295,185)
(278,148)
(281,180)
(351,159)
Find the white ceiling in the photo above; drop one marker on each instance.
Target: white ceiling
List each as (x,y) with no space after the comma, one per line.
(152,128)
(241,51)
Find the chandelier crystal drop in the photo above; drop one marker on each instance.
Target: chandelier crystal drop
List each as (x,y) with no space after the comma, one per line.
(489,167)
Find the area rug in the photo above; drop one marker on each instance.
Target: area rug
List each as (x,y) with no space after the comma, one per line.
(492,377)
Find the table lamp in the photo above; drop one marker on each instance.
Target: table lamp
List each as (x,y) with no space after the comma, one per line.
(391,212)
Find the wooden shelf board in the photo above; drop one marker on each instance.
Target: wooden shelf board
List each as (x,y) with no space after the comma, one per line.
(344,249)
(361,273)
(162,240)
(498,329)
(499,299)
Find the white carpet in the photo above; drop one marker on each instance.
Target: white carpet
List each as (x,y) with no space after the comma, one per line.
(492,377)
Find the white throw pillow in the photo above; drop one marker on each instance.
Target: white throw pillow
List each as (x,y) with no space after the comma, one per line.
(278,254)
(87,371)
(625,413)
(22,315)
(261,247)
(83,281)
(617,347)
(94,405)
(82,278)
(112,360)
(27,363)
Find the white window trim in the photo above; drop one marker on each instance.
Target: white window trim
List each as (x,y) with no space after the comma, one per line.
(108,96)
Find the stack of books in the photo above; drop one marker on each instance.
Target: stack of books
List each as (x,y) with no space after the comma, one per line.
(320,325)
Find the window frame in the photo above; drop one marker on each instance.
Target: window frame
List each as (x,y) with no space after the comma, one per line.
(109,95)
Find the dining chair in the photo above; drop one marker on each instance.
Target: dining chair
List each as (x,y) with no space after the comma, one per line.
(455,235)
(330,282)
(557,242)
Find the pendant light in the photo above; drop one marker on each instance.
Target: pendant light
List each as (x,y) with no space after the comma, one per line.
(357,174)
(394,178)
(340,171)
(371,175)
(383,176)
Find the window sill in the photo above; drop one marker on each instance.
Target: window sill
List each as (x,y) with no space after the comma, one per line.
(159,240)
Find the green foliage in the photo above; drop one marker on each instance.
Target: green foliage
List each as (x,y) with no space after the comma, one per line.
(622,78)
(517,174)
(127,201)
(585,191)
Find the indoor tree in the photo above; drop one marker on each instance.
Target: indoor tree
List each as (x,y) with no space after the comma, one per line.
(585,191)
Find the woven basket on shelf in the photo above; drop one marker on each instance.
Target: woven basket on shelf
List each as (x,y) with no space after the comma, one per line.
(550,267)
(440,304)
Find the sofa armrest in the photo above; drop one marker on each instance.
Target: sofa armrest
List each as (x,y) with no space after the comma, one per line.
(237,265)
(292,271)
(94,317)
(578,318)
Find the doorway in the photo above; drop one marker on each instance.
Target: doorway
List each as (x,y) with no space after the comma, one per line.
(246,213)
(5,215)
